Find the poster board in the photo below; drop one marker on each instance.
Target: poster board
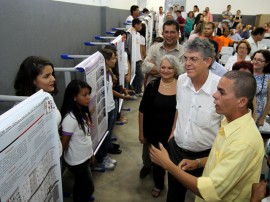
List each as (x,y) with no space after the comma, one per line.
(133,56)
(29,151)
(95,73)
(120,46)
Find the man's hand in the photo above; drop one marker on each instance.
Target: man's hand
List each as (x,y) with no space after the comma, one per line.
(258,191)
(160,156)
(187,164)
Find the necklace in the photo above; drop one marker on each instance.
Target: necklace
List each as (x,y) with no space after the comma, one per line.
(168,85)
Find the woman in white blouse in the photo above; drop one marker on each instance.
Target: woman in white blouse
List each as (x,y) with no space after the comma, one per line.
(242,54)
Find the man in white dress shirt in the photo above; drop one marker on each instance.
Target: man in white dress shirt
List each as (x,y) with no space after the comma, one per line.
(256,36)
(196,121)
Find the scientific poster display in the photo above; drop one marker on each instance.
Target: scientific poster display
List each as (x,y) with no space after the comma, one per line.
(29,151)
(133,56)
(149,22)
(95,72)
(120,45)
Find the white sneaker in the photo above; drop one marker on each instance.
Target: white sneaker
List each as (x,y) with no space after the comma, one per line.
(108,166)
(110,160)
(139,94)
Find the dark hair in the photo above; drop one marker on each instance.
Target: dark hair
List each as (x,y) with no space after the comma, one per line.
(30,68)
(247,44)
(111,47)
(258,30)
(171,22)
(244,85)
(107,53)
(71,106)
(210,23)
(178,11)
(192,13)
(158,39)
(114,70)
(198,28)
(143,30)
(136,21)
(133,8)
(266,55)
(145,10)
(120,32)
(243,65)
(215,44)
(197,20)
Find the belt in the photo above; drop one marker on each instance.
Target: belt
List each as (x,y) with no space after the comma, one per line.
(188,152)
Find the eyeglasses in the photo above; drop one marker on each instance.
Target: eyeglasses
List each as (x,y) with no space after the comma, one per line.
(258,60)
(191,59)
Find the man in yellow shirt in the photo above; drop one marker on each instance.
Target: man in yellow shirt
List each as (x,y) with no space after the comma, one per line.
(235,160)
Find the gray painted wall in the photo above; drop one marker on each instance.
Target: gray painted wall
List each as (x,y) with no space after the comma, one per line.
(247,19)
(48,28)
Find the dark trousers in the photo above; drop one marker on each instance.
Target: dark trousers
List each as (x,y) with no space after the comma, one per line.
(145,155)
(159,172)
(107,143)
(83,182)
(176,191)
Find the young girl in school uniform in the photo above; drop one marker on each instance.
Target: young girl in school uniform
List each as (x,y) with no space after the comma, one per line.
(76,138)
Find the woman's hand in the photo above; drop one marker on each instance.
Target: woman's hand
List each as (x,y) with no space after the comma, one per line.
(141,138)
(260,122)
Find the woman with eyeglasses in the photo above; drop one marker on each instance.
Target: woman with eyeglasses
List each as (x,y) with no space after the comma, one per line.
(261,67)
(242,54)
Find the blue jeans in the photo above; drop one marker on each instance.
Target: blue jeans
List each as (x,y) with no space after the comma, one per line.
(138,79)
(83,182)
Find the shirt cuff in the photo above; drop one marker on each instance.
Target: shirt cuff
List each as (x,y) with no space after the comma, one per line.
(207,190)
(146,67)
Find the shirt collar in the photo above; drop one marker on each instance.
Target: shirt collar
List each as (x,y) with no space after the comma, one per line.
(230,128)
(206,86)
(177,47)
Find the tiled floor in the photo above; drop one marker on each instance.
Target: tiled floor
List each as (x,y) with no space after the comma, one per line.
(123,184)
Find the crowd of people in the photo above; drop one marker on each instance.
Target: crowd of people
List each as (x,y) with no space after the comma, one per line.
(209,124)
(197,119)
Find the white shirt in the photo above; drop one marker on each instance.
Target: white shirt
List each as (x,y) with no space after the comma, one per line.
(126,62)
(233,59)
(253,45)
(184,14)
(58,120)
(129,21)
(110,101)
(159,24)
(138,47)
(197,123)
(80,145)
